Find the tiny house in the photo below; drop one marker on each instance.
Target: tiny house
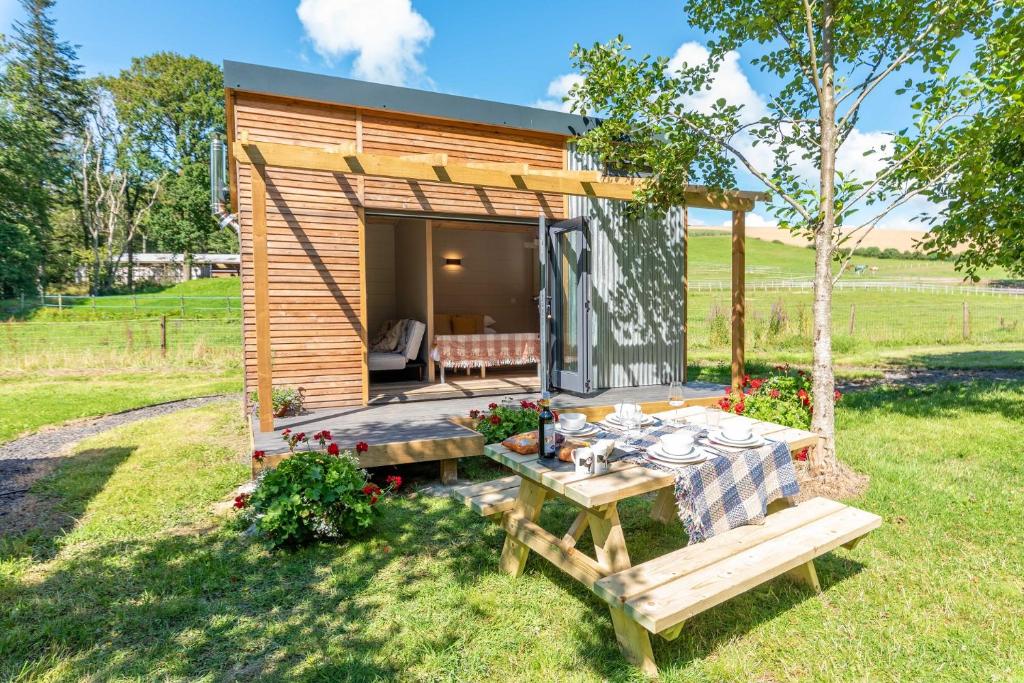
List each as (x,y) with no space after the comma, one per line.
(400,238)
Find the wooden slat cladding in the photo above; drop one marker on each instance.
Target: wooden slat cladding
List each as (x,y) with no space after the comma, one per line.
(313,226)
(395,134)
(312,245)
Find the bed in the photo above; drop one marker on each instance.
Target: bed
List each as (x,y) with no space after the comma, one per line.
(485,350)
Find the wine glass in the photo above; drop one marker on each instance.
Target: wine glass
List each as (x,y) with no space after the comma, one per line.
(631,418)
(676,400)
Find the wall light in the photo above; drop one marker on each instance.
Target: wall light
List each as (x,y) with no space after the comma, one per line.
(453,263)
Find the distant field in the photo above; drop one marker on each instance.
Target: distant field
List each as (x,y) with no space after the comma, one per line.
(710,259)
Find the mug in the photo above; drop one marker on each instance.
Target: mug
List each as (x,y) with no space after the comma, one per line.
(583,459)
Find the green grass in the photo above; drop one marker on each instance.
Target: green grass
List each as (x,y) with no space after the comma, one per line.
(136,590)
(203,298)
(710,259)
(32,399)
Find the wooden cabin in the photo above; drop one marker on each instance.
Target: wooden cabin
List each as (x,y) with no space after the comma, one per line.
(362,204)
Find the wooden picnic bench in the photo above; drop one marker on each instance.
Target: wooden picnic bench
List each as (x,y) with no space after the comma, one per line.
(657,596)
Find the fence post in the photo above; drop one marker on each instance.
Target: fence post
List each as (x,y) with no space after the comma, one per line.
(227,304)
(60,301)
(135,302)
(23,302)
(93,297)
(182,305)
(163,335)
(853,317)
(967,322)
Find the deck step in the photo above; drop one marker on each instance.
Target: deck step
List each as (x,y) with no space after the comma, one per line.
(666,591)
(490,497)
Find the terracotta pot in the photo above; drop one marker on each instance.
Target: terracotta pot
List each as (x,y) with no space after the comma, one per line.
(283,410)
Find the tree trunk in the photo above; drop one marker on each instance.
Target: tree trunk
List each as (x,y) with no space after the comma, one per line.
(823,460)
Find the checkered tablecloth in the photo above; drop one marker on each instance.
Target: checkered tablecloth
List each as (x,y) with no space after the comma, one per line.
(729,490)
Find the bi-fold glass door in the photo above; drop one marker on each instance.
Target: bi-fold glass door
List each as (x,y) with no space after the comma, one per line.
(565,304)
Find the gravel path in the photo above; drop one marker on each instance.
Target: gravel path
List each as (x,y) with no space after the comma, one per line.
(26,460)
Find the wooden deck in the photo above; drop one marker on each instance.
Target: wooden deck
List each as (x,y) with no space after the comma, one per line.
(499,382)
(410,431)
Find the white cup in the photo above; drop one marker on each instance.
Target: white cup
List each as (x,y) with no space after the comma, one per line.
(679,443)
(736,432)
(583,459)
(572,422)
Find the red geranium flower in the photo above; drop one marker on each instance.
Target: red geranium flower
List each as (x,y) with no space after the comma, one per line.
(300,436)
(258,455)
(395,481)
(524,404)
(286,432)
(362,447)
(739,408)
(474,414)
(838,394)
(774,393)
(800,454)
(495,420)
(755,384)
(492,406)
(371,489)
(241,500)
(725,404)
(746,379)
(332,448)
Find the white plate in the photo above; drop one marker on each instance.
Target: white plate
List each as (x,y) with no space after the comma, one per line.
(586,431)
(696,457)
(672,454)
(719,438)
(614,419)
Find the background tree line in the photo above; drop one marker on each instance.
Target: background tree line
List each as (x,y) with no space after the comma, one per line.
(93,168)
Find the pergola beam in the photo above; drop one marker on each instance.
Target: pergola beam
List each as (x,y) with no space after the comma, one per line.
(739,258)
(343,159)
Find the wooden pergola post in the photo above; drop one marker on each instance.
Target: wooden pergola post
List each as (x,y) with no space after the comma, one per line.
(686,289)
(261,287)
(738,296)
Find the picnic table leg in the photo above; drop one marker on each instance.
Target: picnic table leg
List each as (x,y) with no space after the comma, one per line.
(804,573)
(612,555)
(664,509)
(528,504)
(449,471)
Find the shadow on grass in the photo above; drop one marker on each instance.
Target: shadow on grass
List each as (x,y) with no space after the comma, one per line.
(55,502)
(964,360)
(952,400)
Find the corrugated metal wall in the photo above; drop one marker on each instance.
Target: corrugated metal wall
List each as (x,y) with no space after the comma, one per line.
(637,276)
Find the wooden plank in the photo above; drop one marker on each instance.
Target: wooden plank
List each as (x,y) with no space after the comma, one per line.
(670,603)
(686,288)
(575,532)
(364,337)
(669,567)
(422,450)
(617,485)
(531,536)
(428,226)
(738,298)
(450,472)
(664,508)
(493,486)
(526,510)
(264,368)
(394,167)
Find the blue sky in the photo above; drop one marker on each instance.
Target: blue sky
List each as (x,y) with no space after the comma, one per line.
(505,51)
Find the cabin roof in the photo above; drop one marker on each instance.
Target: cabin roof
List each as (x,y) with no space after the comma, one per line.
(302,85)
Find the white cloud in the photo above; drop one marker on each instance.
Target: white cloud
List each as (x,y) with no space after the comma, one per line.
(386,36)
(558,88)
(754,220)
(729,82)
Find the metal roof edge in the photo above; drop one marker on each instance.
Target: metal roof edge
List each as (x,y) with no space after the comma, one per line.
(334,89)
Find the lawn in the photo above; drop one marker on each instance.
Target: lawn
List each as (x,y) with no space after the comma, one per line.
(149,584)
(35,399)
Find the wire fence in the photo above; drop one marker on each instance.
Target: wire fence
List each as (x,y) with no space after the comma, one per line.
(121,343)
(125,306)
(787,324)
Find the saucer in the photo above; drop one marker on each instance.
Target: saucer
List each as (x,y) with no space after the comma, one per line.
(587,430)
(657,455)
(717,437)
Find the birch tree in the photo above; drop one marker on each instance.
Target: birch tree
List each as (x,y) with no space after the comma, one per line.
(114,194)
(829,59)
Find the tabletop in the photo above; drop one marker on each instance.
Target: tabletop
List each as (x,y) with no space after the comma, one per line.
(626,479)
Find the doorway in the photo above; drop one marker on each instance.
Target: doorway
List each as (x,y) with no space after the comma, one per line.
(566,304)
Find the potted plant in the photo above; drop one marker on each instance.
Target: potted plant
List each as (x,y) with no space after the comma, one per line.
(286,401)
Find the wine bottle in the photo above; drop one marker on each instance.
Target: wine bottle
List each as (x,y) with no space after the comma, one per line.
(546,429)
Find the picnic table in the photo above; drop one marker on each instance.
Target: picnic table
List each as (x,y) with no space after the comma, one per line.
(657,596)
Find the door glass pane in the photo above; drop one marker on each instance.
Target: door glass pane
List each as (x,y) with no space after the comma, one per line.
(568,301)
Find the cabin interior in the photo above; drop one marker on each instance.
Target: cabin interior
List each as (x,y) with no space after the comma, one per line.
(454,276)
